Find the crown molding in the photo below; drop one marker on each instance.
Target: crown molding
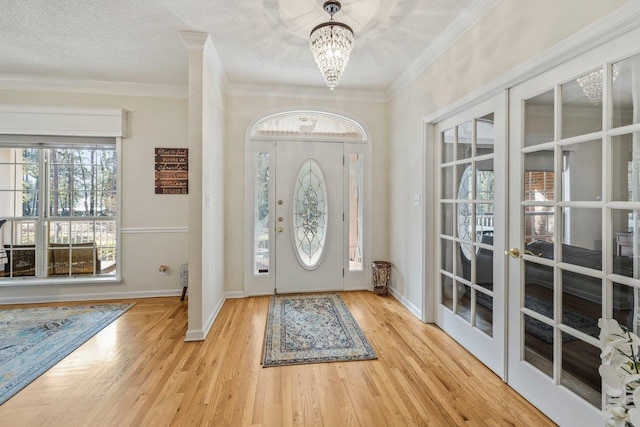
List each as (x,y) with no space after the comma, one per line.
(48,84)
(458,27)
(194,40)
(42,84)
(624,19)
(306,92)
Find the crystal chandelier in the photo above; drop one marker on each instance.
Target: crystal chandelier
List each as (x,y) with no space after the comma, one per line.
(331,44)
(591,83)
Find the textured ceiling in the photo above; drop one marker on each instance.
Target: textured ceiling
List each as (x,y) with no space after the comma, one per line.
(259,42)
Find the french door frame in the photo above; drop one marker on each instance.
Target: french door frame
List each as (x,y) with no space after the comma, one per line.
(489,349)
(548,393)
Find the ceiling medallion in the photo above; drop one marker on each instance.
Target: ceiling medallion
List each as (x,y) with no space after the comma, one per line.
(331,44)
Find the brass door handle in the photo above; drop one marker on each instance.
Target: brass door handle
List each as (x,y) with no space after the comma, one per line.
(280,229)
(515,253)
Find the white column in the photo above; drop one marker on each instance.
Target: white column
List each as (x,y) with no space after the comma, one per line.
(195,41)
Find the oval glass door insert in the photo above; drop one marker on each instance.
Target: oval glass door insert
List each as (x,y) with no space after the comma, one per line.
(310,215)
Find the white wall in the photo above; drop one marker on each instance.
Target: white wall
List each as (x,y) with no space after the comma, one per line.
(213,189)
(511,33)
(240,111)
(146,244)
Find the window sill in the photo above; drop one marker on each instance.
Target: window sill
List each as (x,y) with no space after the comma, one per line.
(16,282)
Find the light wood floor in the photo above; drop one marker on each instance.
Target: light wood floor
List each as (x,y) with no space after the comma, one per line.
(140,372)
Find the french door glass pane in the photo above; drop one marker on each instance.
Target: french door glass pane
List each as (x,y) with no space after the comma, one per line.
(484,135)
(463,256)
(446,219)
(464,221)
(582,171)
(580,362)
(538,288)
(446,255)
(464,148)
(626,91)
(581,302)
(625,177)
(625,305)
(538,344)
(537,163)
(446,284)
(582,237)
(484,223)
(484,268)
(626,241)
(484,313)
(448,139)
(538,124)
(539,223)
(463,307)
(465,181)
(446,183)
(485,184)
(582,105)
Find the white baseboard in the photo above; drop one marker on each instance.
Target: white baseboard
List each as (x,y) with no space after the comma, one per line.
(194,335)
(234,294)
(260,294)
(412,308)
(201,334)
(89,297)
(359,288)
(212,318)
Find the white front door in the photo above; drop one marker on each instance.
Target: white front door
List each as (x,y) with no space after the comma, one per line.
(472,230)
(574,210)
(309,216)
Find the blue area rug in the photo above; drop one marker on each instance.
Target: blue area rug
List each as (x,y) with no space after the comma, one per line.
(570,317)
(32,340)
(312,329)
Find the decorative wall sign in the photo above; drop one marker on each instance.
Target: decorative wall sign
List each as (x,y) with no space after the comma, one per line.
(172,171)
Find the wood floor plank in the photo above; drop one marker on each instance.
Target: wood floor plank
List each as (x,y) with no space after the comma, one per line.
(139,371)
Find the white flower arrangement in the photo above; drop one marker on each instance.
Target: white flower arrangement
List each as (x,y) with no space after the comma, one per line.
(620,372)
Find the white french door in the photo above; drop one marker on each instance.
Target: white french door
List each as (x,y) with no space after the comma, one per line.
(472,231)
(573,225)
(309,216)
